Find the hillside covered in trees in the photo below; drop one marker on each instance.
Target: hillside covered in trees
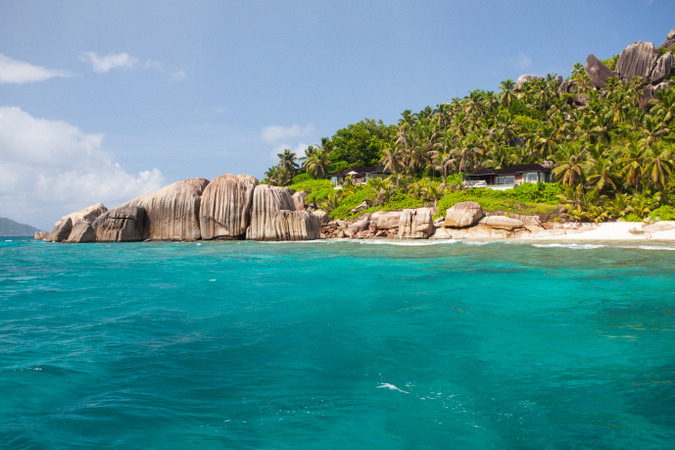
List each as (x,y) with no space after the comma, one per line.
(607,129)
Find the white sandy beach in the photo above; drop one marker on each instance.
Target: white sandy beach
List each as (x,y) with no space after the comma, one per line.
(611,231)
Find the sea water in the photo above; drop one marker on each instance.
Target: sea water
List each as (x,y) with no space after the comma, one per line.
(368,344)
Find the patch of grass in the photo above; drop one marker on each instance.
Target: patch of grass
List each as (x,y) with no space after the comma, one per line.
(318,189)
(528,198)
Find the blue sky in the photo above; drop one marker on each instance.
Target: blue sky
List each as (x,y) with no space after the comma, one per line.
(103,101)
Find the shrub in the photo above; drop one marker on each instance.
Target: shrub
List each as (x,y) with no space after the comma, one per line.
(665,212)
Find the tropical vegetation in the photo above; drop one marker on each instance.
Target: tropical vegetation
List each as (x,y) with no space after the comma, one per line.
(613,153)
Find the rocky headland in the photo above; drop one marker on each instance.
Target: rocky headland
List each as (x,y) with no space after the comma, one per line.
(234,207)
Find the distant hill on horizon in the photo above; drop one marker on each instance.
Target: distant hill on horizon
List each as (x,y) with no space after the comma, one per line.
(8,227)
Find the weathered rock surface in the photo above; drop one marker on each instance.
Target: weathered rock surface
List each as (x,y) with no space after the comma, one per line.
(464,214)
(122,224)
(40,235)
(386,220)
(273,217)
(597,71)
(299,199)
(524,78)
(416,223)
(81,233)
(88,214)
(670,40)
(225,208)
(173,211)
(322,216)
(501,223)
(62,227)
(637,60)
(568,86)
(662,68)
(61,230)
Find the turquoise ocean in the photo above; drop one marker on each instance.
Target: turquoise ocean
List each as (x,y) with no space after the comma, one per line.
(367,344)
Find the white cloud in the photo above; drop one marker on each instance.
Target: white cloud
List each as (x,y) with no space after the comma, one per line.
(522,61)
(274,133)
(18,72)
(104,64)
(51,168)
(298,149)
(179,75)
(156,65)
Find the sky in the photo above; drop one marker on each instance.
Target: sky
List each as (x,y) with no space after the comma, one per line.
(104,101)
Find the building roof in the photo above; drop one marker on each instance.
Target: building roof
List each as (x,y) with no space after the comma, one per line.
(511,170)
(361,171)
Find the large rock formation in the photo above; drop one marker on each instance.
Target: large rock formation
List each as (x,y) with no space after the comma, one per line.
(386,220)
(524,78)
(122,224)
(273,217)
(464,214)
(637,60)
(416,223)
(173,211)
(662,68)
(225,210)
(501,223)
(65,224)
(597,71)
(299,200)
(81,233)
(670,40)
(61,230)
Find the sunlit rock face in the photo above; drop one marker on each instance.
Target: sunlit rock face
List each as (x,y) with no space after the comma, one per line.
(416,223)
(225,209)
(122,224)
(173,211)
(273,217)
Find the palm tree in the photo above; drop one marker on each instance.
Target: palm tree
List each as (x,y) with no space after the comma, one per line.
(659,165)
(570,170)
(392,158)
(317,163)
(288,161)
(507,95)
(664,105)
(443,161)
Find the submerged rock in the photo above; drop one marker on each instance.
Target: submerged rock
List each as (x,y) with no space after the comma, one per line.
(273,217)
(122,224)
(173,211)
(225,209)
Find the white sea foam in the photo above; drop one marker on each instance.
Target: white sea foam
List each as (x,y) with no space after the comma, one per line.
(596,246)
(574,246)
(391,387)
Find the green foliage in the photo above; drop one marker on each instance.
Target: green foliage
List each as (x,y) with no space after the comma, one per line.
(319,190)
(351,200)
(300,178)
(536,193)
(665,212)
(532,199)
(360,144)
